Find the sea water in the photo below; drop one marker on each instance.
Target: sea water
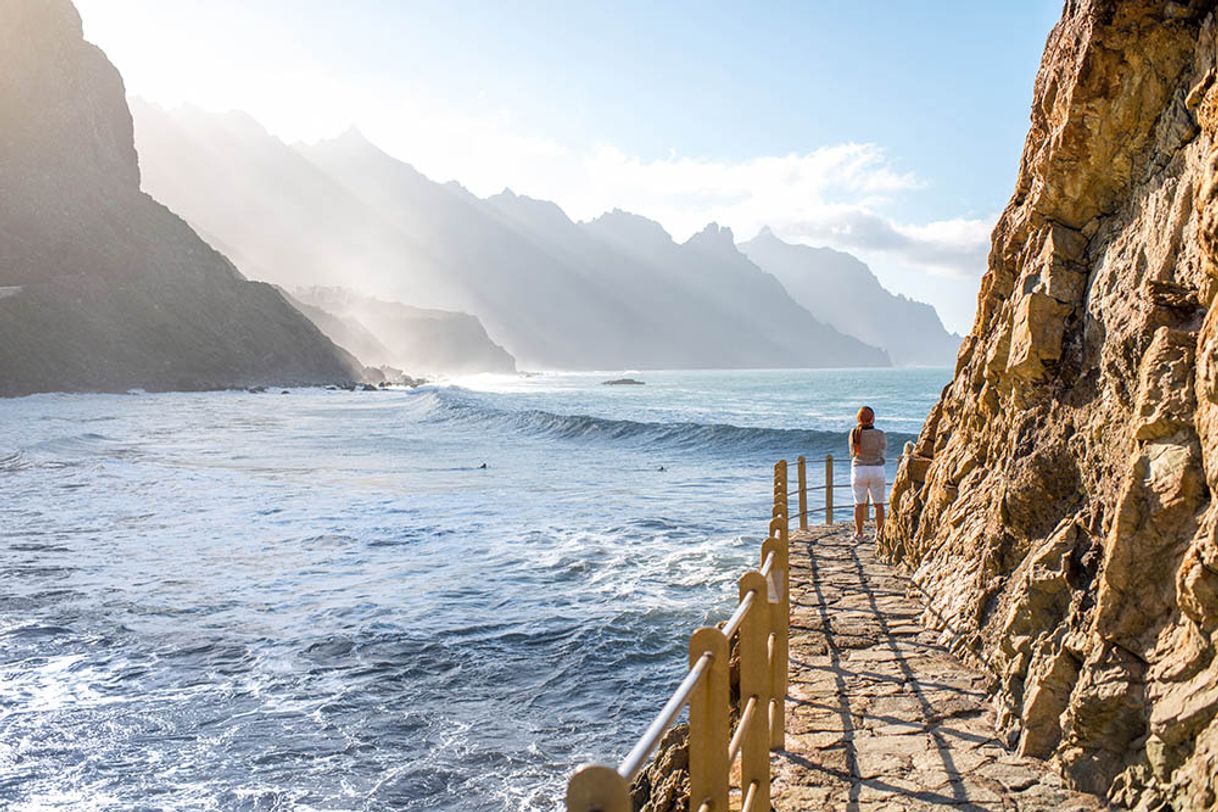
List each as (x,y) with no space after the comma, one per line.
(322,600)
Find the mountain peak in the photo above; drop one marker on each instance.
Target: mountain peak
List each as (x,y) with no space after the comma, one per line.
(839,289)
(350,142)
(629,227)
(353,139)
(45,62)
(714,236)
(543,213)
(351,151)
(352,135)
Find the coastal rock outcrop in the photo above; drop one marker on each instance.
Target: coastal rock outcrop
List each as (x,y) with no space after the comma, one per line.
(103,287)
(1057,506)
(663,785)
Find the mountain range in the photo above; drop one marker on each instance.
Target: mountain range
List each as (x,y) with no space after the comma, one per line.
(609,293)
(120,272)
(840,290)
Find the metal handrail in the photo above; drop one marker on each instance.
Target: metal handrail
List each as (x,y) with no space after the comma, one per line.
(808,512)
(836,486)
(635,759)
(733,623)
(839,485)
(746,718)
(750,798)
(767,565)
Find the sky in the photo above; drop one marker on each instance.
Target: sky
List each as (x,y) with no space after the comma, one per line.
(891,130)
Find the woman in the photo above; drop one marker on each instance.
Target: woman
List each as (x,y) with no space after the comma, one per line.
(867,446)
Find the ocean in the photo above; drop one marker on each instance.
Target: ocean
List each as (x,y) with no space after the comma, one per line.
(322,600)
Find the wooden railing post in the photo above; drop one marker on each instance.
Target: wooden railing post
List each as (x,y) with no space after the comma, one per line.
(780,622)
(828,489)
(781,489)
(778,529)
(755,684)
(709,722)
(803,493)
(598,788)
(779,513)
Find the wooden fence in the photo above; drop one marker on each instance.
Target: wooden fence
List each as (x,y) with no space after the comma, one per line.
(758,627)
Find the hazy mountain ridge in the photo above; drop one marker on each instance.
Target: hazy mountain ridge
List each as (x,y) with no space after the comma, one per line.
(840,290)
(108,289)
(393,334)
(345,331)
(555,293)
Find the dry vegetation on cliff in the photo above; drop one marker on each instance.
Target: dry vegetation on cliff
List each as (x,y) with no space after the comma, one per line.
(1059,511)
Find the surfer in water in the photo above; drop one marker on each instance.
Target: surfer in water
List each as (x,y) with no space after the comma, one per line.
(867,447)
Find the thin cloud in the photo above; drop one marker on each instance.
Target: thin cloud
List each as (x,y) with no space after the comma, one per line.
(955,247)
(685,193)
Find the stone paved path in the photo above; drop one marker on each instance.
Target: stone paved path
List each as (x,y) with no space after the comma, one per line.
(880,717)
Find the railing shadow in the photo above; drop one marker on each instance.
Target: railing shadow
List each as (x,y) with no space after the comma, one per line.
(942,623)
(827,551)
(840,674)
(925,796)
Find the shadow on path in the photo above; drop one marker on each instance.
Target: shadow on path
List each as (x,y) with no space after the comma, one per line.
(879,715)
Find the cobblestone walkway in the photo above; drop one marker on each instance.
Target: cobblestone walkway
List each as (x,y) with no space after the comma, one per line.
(880,717)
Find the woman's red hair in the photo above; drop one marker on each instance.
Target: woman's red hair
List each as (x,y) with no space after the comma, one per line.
(865,417)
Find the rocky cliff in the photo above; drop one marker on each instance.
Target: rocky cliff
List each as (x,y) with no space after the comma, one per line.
(101,287)
(1057,510)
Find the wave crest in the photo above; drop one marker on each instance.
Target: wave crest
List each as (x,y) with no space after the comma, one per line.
(455,405)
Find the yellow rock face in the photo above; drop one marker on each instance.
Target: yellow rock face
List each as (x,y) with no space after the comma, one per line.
(1059,509)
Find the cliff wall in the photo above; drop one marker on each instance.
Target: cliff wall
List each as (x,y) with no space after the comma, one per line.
(101,287)
(1058,508)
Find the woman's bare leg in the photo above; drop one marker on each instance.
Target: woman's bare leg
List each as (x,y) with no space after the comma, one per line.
(860,518)
(879,520)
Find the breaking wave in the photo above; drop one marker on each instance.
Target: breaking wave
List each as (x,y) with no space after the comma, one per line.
(457,405)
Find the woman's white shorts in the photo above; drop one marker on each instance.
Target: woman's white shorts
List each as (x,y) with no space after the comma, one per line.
(867,480)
